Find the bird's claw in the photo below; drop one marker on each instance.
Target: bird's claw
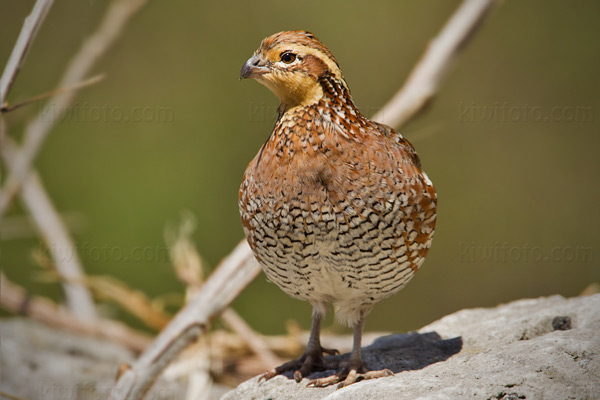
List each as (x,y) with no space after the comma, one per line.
(298,376)
(267,375)
(310,361)
(346,378)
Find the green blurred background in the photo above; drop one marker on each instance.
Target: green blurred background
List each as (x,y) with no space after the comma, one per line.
(511,143)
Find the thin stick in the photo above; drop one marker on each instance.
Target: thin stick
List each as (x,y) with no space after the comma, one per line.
(254,341)
(426,76)
(133,301)
(15,299)
(115,19)
(77,86)
(17,56)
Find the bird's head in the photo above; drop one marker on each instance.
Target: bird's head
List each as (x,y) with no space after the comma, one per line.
(291,64)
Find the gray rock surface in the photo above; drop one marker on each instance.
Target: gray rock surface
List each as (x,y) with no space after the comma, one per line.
(546,348)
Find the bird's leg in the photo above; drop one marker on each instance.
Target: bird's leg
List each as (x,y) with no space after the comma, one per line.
(354,370)
(312,359)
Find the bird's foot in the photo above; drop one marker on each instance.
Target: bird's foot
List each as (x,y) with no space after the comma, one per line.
(348,376)
(312,360)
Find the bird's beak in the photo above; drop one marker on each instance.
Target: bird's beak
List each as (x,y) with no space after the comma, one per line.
(253,68)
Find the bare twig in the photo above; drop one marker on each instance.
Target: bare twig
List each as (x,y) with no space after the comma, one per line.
(425,78)
(17,56)
(184,255)
(224,284)
(232,276)
(56,237)
(114,20)
(77,86)
(15,299)
(132,301)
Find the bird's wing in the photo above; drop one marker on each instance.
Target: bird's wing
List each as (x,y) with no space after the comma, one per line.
(400,141)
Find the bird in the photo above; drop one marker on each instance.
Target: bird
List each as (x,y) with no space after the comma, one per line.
(334,206)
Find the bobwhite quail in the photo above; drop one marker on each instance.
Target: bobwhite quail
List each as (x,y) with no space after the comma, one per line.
(335,207)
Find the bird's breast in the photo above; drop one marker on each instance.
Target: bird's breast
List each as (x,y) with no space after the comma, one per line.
(335,217)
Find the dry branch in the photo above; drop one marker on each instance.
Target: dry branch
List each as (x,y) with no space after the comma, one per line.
(237,270)
(426,76)
(15,299)
(43,96)
(135,302)
(254,341)
(17,56)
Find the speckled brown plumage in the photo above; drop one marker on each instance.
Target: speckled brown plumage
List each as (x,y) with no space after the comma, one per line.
(335,207)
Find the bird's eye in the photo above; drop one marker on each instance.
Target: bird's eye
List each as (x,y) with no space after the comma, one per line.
(288,57)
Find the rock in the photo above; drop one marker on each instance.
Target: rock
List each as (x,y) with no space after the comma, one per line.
(39,362)
(546,348)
